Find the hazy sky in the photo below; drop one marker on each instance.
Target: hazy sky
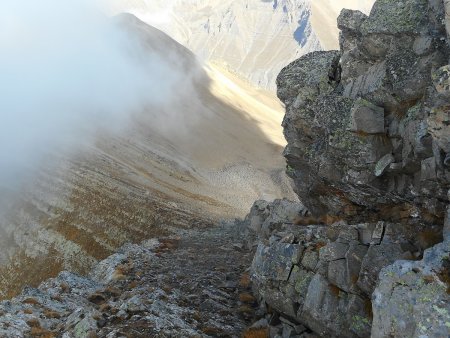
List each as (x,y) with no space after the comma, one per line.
(66,70)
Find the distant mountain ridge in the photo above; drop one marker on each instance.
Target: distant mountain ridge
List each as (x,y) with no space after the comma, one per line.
(252,38)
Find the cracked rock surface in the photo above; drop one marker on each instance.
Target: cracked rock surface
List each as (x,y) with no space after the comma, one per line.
(348,280)
(324,276)
(368,148)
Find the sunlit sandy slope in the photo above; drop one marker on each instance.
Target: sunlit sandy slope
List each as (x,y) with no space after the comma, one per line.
(207,155)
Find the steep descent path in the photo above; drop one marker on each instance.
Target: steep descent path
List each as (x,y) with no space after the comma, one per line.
(192,284)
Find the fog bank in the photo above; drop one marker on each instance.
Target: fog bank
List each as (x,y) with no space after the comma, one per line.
(67,72)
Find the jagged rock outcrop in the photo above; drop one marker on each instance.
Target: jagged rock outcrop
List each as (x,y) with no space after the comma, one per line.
(367,126)
(327,278)
(323,276)
(368,143)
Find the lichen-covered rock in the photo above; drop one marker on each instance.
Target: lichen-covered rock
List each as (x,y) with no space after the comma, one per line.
(377,257)
(350,21)
(441,80)
(275,261)
(439,117)
(315,71)
(307,291)
(369,143)
(265,217)
(370,133)
(412,298)
(367,118)
(323,277)
(395,17)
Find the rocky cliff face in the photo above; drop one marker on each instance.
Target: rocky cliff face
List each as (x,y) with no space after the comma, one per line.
(368,148)
(368,144)
(346,280)
(367,126)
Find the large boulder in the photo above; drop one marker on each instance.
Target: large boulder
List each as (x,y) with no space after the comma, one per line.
(412,299)
(265,217)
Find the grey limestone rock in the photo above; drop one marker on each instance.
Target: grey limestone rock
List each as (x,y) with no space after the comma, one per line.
(385,92)
(369,142)
(367,118)
(323,278)
(412,298)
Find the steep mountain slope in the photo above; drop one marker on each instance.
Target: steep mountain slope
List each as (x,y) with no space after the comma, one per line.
(205,156)
(252,38)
